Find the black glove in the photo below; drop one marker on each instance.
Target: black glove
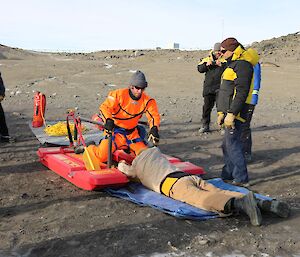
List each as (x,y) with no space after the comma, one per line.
(153,135)
(109,125)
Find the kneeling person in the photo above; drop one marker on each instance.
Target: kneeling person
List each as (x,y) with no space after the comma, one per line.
(121,112)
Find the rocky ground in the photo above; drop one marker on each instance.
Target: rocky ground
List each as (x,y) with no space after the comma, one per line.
(41,214)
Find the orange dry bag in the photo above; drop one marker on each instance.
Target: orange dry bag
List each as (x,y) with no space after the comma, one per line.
(39,106)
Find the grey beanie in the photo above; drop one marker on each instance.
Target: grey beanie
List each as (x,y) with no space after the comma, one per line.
(217,46)
(138,79)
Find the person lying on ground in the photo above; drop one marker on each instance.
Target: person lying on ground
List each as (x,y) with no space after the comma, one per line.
(155,172)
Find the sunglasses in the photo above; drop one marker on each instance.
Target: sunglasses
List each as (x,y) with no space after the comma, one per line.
(139,88)
(223,51)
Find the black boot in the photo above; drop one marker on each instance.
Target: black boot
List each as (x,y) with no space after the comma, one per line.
(279,208)
(7,139)
(80,148)
(247,204)
(204,128)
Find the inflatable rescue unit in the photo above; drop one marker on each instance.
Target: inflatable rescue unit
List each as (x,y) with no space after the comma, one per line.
(71,166)
(67,164)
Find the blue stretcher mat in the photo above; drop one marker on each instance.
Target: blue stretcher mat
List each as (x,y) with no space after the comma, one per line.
(137,193)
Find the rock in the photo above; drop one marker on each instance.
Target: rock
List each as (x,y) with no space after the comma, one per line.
(203,241)
(107,65)
(24,196)
(171,246)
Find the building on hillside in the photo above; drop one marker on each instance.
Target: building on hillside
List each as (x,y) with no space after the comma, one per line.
(173,46)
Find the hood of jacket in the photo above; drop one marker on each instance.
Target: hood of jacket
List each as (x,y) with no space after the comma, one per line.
(249,55)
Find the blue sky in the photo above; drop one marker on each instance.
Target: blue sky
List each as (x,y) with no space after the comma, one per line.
(90,25)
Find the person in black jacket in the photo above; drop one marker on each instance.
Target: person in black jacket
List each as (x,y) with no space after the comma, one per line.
(4,136)
(213,69)
(236,87)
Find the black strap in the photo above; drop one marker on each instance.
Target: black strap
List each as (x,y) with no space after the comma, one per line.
(69,132)
(178,174)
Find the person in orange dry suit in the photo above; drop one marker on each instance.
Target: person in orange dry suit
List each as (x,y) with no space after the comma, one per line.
(121,112)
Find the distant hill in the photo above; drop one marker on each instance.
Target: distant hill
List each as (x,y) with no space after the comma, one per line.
(284,48)
(13,53)
(3,49)
(277,50)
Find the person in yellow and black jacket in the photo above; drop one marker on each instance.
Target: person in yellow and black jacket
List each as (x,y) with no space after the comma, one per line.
(236,85)
(121,112)
(213,69)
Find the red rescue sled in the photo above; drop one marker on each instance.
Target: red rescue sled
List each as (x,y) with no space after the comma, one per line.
(67,164)
(64,162)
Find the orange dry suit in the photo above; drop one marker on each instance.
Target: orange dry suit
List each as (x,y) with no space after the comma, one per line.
(126,113)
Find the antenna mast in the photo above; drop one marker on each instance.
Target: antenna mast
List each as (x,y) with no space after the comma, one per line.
(222,36)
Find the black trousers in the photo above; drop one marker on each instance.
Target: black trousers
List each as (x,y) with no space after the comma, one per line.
(246,137)
(3,126)
(209,102)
